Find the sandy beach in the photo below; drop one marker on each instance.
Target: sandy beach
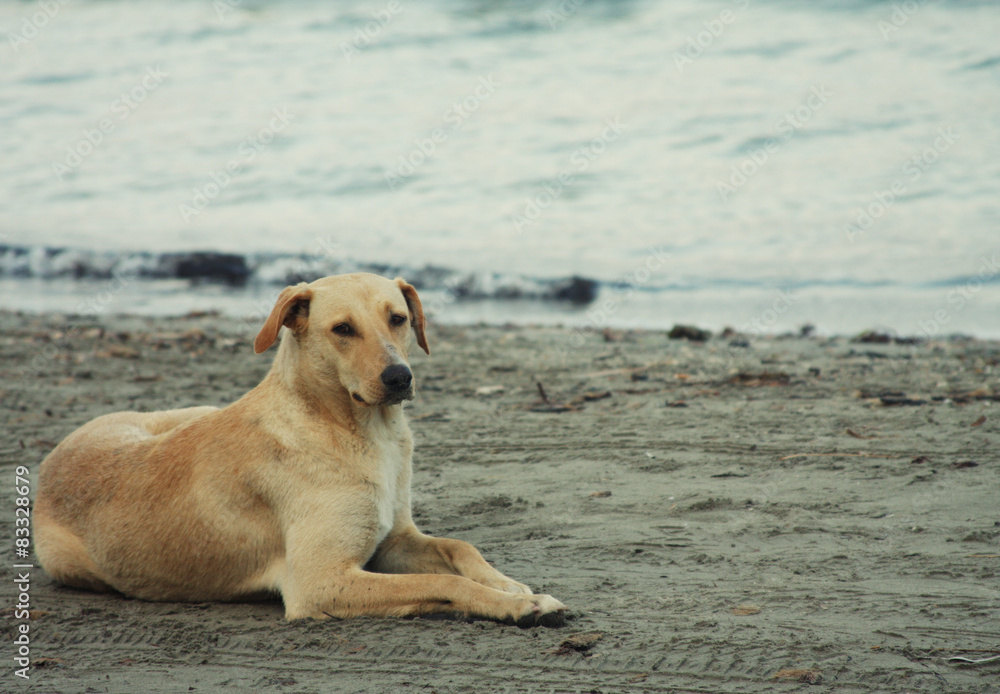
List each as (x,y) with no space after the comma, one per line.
(731,515)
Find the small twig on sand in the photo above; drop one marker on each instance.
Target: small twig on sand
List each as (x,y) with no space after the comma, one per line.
(541,391)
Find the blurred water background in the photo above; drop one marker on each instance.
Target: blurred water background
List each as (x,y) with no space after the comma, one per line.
(755,163)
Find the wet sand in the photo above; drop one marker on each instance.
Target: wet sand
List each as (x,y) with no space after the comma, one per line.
(718,518)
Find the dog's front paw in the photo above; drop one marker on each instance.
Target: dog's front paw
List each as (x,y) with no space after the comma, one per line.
(510,586)
(543,610)
(497,581)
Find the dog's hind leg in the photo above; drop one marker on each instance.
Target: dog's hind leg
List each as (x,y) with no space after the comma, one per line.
(64,557)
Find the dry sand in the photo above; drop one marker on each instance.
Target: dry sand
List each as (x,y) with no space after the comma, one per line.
(719,519)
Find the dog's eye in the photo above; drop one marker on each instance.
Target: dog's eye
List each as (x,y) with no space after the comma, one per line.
(397,319)
(343,329)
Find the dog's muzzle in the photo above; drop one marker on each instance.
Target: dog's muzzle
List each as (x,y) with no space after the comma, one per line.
(398,382)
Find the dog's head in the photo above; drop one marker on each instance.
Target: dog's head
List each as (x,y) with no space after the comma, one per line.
(351,331)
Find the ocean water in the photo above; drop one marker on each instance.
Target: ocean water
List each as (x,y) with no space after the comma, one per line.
(749,163)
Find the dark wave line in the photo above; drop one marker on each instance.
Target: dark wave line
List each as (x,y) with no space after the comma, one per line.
(233,269)
(278,269)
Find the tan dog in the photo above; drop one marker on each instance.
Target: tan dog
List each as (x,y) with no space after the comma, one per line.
(300,487)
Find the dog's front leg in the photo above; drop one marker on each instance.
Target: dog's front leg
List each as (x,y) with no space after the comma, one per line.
(354,592)
(322,575)
(410,551)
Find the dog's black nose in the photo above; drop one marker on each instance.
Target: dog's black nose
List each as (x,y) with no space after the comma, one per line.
(397,377)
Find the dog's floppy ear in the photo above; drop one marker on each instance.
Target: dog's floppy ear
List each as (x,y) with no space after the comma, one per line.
(416,309)
(291,307)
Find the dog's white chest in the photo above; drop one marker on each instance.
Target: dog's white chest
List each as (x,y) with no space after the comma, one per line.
(385,504)
(389,495)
